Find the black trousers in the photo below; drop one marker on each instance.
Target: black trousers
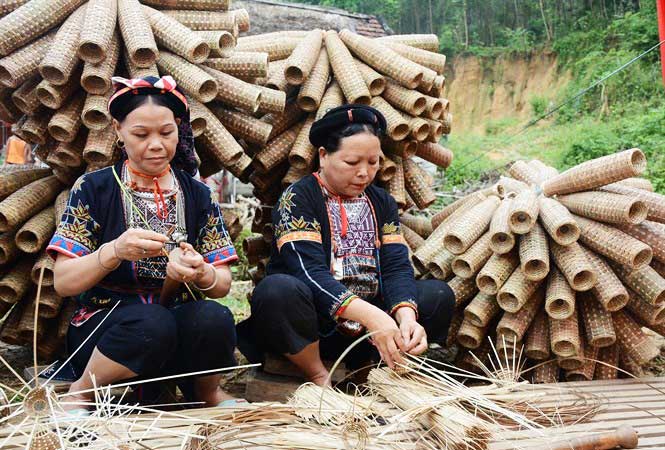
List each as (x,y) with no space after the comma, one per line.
(153,341)
(284,320)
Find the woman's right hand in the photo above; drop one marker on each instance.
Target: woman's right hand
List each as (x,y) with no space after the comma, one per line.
(388,339)
(135,244)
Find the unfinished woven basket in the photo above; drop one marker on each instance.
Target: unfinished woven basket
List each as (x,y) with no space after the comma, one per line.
(419,127)
(13,181)
(397,127)
(496,271)
(470,336)
(559,297)
(282,122)
(54,96)
(435,153)
(8,249)
(271,101)
(136,71)
(547,372)
(403,149)
(413,239)
(419,224)
(429,42)
(522,171)
(205,20)
(221,142)
(429,59)
(586,371)
(61,58)
(343,66)
(333,98)
(277,50)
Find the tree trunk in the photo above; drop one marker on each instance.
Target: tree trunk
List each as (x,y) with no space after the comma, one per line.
(431,20)
(517,15)
(547,28)
(466,28)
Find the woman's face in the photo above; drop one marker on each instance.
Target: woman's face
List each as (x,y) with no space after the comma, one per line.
(150,134)
(352,168)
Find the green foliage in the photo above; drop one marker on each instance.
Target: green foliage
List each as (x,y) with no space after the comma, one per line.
(240,269)
(539,105)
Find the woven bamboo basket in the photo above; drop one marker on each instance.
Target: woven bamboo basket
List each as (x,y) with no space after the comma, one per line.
(234,92)
(614,244)
(525,173)
(136,71)
(523,212)
(301,62)
(418,127)
(573,362)
(546,373)
(8,111)
(312,91)
(502,239)
(637,183)
(507,186)
(436,130)
(534,254)
(23,64)
(383,59)
(95,115)
(13,181)
(429,59)
(36,232)
(271,101)
(66,122)
(222,143)
(396,186)
(559,297)
(205,20)
(196,81)
(27,201)
(61,57)
(609,290)
(470,226)
(482,309)
(200,5)
(8,6)
(605,207)
(632,339)
(404,99)
(464,289)
(645,281)
(537,343)
(25,97)
(469,263)
(277,150)
(242,168)
(565,336)
(303,153)
(429,42)
(515,324)
(221,43)
(242,125)
(97,30)
(545,172)
(455,324)
(9,332)
(50,303)
(421,193)
(16,283)
(46,262)
(243,65)
(277,50)
(35,128)
(276,79)
(403,149)
(352,83)
(96,78)
(333,98)
(608,363)
(558,222)
(470,336)
(291,116)
(655,202)
(585,373)
(645,313)
(597,172)
(435,153)
(376,83)
(651,233)
(54,96)
(387,170)
(70,154)
(100,146)
(419,224)
(496,271)
(413,239)
(8,249)
(176,37)
(31,20)
(42,151)
(575,266)
(293,175)
(597,321)
(516,291)
(435,107)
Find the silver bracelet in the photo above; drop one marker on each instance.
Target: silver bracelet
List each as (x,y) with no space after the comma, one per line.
(214,281)
(99,259)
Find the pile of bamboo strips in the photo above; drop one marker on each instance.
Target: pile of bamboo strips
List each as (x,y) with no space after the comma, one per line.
(253,100)
(568,268)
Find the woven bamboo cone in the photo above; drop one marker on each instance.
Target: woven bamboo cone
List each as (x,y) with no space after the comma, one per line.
(651,233)
(470,336)
(205,20)
(196,81)
(429,59)
(46,262)
(659,267)
(468,228)
(16,283)
(585,373)
(546,373)
(565,336)
(234,92)
(421,193)
(54,96)
(419,224)
(35,128)
(464,289)
(419,127)
(96,78)
(496,271)
(313,89)
(646,283)
(220,141)
(516,291)
(13,181)
(242,168)
(413,239)
(507,185)
(25,202)
(515,324)
(66,122)
(614,244)
(575,266)
(343,66)
(23,64)
(605,207)
(558,222)
(50,303)
(534,254)
(376,83)
(95,115)
(441,264)
(631,339)
(609,290)
(242,125)
(243,65)
(333,98)
(645,313)
(559,297)
(69,154)
(627,364)
(277,150)
(522,171)
(407,100)
(300,63)
(9,332)
(276,79)
(597,172)
(654,201)
(523,212)
(537,343)
(25,97)
(302,154)
(435,153)
(436,130)
(481,310)
(396,186)
(199,5)
(545,172)
(100,146)
(436,107)
(8,6)
(36,232)
(291,116)
(8,249)
(608,363)
(221,43)
(502,239)
(387,169)
(176,37)
(455,324)
(8,111)
(136,71)
(637,183)
(403,149)
(429,42)
(397,127)
(61,57)
(137,34)
(597,321)
(277,50)
(469,263)
(98,30)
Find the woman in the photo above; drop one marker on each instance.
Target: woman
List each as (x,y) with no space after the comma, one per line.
(111,247)
(339,260)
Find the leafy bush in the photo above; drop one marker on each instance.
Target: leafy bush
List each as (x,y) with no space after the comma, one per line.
(538,105)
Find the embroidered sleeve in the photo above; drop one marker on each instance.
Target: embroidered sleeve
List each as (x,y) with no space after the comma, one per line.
(390,234)
(214,242)
(293,224)
(78,232)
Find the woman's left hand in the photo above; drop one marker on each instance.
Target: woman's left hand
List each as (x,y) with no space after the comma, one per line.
(187,265)
(414,335)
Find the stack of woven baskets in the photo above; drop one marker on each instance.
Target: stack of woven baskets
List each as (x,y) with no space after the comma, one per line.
(253,100)
(565,269)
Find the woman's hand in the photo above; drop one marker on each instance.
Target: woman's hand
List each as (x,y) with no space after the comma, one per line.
(186,264)
(414,335)
(135,244)
(388,340)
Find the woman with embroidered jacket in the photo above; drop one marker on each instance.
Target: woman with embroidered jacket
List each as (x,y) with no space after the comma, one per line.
(339,264)
(126,229)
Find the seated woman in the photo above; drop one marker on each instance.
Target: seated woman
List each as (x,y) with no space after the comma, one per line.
(111,247)
(339,264)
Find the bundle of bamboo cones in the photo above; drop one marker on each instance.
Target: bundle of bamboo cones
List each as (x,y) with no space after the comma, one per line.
(253,100)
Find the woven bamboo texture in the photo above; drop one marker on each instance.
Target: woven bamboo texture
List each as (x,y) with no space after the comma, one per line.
(429,42)
(575,266)
(66,122)
(645,281)
(8,110)
(463,288)
(234,92)
(470,336)
(206,20)
(421,193)
(523,212)
(343,66)
(61,58)
(546,373)
(608,363)
(631,339)
(588,368)
(565,336)
(36,232)
(523,172)
(242,125)
(469,263)
(469,227)
(176,37)
(221,43)
(597,172)
(69,155)
(196,81)
(516,291)
(413,239)
(435,153)
(481,310)
(276,79)
(396,187)
(8,6)
(242,64)
(302,153)
(514,325)
(54,96)
(277,50)
(419,128)
(609,290)
(25,97)
(137,34)
(13,181)
(20,66)
(637,183)
(35,128)
(598,323)
(46,262)
(651,233)
(9,332)
(314,87)
(333,98)
(95,115)
(496,272)
(429,59)
(282,122)
(403,149)
(50,304)
(559,297)
(537,343)
(8,249)
(534,254)
(407,100)
(300,63)
(271,101)
(605,207)
(507,185)
(222,143)
(376,83)
(277,150)
(646,313)
(398,128)
(16,283)
(98,30)
(200,5)
(100,146)
(96,78)
(136,71)
(27,201)
(420,224)
(654,201)
(387,170)
(558,222)
(502,238)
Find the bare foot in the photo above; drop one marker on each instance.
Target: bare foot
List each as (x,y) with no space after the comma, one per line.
(321,379)
(73,400)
